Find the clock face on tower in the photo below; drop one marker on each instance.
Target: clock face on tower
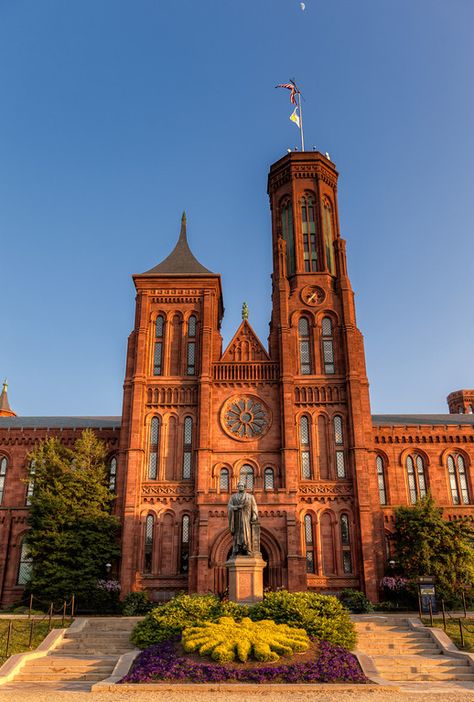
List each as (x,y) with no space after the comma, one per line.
(312,295)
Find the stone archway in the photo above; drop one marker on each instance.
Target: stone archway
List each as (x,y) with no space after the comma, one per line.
(274,575)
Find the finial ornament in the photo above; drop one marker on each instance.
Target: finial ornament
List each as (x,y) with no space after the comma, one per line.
(245,311)
(5,385)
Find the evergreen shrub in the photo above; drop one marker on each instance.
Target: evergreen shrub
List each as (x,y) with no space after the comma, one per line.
(356,601)
(321,616)
(136,604)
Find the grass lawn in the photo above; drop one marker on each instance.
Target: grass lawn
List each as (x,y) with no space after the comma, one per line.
(20,636)
(452,630)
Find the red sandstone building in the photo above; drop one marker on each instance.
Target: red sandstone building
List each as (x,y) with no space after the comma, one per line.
(292,419)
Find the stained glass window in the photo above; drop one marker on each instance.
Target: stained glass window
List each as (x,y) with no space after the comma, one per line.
(187,447)
(191,358)
(3,473)
(112,474)
(224,480)
(159,326)
(328,347)
(304,344)
(338,438)
(25,565)
(154,449)
(308,227)
(458,480)
(416,478)
(340,465)
(246,476)
(185,538)
(148,551)
(346,544)
(192,326)
(381,480)
(305,449)
(268,479)
(309,541)
(158,350)
(288,236)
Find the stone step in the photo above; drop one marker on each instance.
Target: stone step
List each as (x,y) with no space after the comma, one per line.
(52,677)
(466,677)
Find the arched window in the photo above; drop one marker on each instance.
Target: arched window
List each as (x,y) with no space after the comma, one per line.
(416,478)
(187,448)
(224,480)
(328,236)
(25,565)
(31,483)
(288,236)
(158,352)
(304,346)
(381,480)
(112,474)
(154,448)
(246,476)
(339,443)
(328,346)
(148,550)
(308,226)
(458,480)
(305,449)
(185,538)
(191,347)
(3,474)
(309,543)
(346,544)
(269,479)
(470,409)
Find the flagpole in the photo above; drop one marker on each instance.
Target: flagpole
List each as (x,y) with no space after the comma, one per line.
(301,120)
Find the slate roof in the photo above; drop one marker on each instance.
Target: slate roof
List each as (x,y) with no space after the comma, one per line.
(422,419)
(181,260)
(60,422)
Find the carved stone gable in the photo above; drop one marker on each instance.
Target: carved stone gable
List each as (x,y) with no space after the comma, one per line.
(245,346)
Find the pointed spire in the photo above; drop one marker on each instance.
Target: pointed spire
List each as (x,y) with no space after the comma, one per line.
(5,409)
(181,260)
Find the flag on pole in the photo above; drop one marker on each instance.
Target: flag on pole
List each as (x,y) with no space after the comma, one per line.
(295,117)
(292,87)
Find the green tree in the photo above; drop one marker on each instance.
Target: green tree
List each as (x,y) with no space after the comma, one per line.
(72,532)
(427,544)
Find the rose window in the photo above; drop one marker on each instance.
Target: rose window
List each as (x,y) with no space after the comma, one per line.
(246,418)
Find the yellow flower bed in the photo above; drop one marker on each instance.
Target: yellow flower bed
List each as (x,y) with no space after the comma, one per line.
(228,640)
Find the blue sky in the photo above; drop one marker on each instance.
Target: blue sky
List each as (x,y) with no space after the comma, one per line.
(116,115)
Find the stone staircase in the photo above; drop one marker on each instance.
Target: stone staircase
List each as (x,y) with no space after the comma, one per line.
(87,654)
(401,654)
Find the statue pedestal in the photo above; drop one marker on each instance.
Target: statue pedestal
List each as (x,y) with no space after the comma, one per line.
(245,578)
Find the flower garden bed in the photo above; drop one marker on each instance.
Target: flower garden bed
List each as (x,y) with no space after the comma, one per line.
(323,663)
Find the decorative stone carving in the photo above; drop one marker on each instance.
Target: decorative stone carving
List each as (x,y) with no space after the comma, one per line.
(245,417)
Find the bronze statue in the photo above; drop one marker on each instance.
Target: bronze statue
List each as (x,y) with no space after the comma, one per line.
(243,522)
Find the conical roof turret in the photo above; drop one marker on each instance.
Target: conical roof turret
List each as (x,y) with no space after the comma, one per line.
(181,260)
(5,409)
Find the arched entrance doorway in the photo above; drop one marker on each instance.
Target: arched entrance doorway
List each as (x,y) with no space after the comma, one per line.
(274,574)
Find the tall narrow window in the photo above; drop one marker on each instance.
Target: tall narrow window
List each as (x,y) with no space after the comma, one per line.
(309,542)
(224,480)
(112,474)
(458,480)
(148,550)
(158,352)
(154,449)
(268,479)
(191,347)
(25,565)
(416,478)
(304,345)
(305,449)
(339,442)
(31,483)
(308,226)
(3,474)
(246,476)
(381,480)
(328,346)
(187,448)
(328,235)
(346,544)
(185,538)
(288,236)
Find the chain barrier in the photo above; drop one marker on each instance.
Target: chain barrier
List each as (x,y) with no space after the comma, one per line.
(16,626)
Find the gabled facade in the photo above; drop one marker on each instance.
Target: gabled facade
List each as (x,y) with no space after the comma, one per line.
(293,421)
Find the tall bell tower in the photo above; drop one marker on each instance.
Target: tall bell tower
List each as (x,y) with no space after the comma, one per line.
(325,409)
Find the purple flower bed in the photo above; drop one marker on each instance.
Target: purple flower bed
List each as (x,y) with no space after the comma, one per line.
(162,662)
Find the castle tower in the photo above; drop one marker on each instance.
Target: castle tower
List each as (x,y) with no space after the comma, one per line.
(461,402)
(325,410)
(165,436)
